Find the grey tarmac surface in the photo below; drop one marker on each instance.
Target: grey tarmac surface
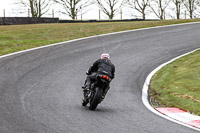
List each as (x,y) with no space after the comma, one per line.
(40,90)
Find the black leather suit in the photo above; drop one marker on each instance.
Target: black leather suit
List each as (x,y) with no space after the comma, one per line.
(101,66)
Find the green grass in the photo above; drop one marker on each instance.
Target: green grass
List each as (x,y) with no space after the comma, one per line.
(178,84)
(20,37)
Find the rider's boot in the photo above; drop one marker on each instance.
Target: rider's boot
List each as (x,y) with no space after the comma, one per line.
(85,98)
(85,101)
(86,92)
(86,87)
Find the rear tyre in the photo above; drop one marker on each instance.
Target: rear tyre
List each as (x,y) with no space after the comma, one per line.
(96,99)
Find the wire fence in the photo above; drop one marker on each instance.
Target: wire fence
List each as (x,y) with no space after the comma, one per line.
(93,14)
(22,13)
(52,13)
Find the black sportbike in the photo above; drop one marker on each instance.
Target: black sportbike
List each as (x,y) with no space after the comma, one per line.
(94,95)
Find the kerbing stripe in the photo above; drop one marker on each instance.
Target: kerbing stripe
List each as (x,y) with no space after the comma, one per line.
(181,116)
(170,110)
(170,116)
(195,123)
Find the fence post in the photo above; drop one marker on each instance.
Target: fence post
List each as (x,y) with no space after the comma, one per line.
(76,14)
(121,13)
(99,14)
(4,13)
(28,12)
(185,14)
(53,13)
(164,15)
(81,12)
(4,17)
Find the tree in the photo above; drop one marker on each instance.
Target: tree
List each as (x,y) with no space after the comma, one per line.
(158,7)
(73,7)
(109,7)
(38,7)
(178,4)
(198,11)
(139,5)
(191,6)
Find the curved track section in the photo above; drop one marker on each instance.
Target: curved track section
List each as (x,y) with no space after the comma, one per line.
(40,90)
(185,119)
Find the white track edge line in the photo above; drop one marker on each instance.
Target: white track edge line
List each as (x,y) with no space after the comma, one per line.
(50,45)
(145,92)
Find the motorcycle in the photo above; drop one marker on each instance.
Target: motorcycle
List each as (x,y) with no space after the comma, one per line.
(94,95)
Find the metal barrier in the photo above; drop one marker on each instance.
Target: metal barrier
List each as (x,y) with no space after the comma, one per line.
(26,20)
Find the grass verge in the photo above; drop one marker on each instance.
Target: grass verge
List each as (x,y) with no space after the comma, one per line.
(177,84)
(20,37)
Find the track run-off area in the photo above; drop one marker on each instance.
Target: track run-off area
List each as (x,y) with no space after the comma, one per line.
(40,89)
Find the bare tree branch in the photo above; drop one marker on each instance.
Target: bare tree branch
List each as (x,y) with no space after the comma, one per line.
(158,7)
(38,7)
(177,8)
(73,7)
(139,5)
(192,7)
(110,7)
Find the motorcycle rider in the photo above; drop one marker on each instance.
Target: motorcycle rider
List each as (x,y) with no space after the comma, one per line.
(102,66)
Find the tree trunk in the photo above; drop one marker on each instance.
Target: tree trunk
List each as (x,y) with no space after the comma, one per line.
(190,8)
(178,7)
(32,8)
(143,15)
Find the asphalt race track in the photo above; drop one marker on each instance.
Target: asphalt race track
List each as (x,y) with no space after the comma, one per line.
(40,90)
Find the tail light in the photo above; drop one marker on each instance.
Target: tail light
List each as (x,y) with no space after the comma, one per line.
(105,77)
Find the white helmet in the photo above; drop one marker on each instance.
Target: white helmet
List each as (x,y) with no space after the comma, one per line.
(105,56)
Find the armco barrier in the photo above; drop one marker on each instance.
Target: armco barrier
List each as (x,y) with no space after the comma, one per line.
(30,20)
(26,20)
(109,20)
(94,20)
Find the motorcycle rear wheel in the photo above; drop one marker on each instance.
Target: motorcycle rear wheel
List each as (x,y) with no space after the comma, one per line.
(96,99)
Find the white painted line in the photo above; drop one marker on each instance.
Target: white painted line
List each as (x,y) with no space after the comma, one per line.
(50,45)
(145,92)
